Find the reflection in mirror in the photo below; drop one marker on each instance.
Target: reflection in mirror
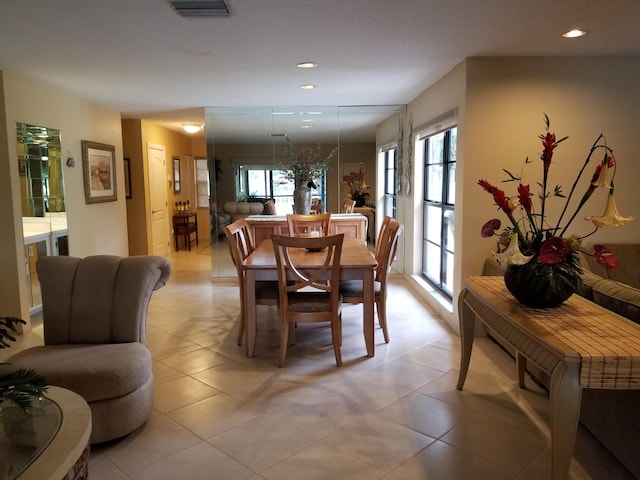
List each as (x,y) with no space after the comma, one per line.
(249,143)
(44,220)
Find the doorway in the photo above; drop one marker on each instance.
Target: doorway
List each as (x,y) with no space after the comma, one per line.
(158,199)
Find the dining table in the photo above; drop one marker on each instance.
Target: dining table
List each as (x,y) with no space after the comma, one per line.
(357,262)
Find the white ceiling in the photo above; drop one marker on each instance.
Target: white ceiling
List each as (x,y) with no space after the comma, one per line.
(141,58)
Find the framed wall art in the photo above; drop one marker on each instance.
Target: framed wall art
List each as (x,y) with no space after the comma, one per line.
(99,168)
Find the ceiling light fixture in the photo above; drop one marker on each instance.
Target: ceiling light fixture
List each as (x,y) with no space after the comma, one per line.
(307,65)
(191,127)
(575,33)
(308,86)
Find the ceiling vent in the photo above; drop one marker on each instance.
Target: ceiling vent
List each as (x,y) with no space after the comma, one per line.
(200,8)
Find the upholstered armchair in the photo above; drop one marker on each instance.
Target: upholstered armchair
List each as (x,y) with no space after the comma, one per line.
(94,318)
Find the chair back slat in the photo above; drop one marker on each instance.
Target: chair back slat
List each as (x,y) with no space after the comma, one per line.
(299,224)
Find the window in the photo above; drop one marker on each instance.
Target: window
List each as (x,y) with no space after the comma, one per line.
(263,182)
(439,209)
(202,183)
(390,162)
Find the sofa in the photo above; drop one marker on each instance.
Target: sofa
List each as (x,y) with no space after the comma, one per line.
(238,210)
(232,211)
(613,416)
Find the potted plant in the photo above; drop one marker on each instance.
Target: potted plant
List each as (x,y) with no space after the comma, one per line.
(19,386)
(303,169)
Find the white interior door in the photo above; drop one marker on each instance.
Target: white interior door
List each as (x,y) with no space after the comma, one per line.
(158,199)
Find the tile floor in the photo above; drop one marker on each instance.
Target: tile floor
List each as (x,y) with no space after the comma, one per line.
(220,415)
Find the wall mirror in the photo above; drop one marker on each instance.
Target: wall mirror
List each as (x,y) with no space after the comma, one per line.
(177,185)
(44,218)
(242,139)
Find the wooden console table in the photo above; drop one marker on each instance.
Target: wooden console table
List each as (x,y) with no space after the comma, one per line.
(184,226)
(579,344)
(353,225)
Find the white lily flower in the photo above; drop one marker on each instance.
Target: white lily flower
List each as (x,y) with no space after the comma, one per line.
(512,255)
(611,217)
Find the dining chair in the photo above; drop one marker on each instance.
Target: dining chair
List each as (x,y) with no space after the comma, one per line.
(309,295)
(240,246)
(352,290)
(299,224)
(348,206)
(383,228)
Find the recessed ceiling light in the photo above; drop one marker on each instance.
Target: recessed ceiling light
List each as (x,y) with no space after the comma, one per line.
(575,33)
(307,65)
(191,127)
(308,120)
(308,86)
(306,126)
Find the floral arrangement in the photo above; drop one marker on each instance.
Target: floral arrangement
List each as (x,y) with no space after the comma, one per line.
(358,187)
(308,165)
(531,236)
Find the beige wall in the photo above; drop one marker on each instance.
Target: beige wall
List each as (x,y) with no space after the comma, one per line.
(93,229)
(499,104)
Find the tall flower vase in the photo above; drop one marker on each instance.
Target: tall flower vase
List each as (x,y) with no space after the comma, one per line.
(302,199)
(540,285)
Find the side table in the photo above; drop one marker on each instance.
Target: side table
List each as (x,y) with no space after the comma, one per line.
(65,452)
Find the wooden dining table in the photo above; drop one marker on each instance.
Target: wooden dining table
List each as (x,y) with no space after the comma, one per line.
(356,263)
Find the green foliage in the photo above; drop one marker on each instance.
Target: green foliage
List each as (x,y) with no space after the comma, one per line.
(21,385)
(307,165)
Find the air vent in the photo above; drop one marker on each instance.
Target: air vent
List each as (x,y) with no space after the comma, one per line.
(200,8)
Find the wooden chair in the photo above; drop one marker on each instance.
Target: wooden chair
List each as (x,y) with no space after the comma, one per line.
(299,224)
(383,228)
(324,302)
(348,206)
(386,248)
(240,246)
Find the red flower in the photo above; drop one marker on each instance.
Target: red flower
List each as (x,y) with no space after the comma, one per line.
(605,257)
(525,198)
(553,251)
(350,181)
(498,196)
(549,143)
(489,228)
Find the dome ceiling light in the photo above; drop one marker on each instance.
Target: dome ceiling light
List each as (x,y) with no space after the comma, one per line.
(191,127)
(575,33)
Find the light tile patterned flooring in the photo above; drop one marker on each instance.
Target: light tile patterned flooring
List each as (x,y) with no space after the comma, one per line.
(220,415)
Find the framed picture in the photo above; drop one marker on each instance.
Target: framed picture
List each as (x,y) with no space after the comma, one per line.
(99,168)
(127,178)
(353,171)
(176,175)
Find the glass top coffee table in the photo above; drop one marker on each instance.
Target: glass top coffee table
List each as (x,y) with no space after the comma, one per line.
(51,442)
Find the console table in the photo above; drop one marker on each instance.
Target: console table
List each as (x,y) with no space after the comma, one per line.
(353,225)
(184,226)
(579,344)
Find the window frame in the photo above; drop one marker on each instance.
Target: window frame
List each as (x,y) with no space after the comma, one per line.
(445,203)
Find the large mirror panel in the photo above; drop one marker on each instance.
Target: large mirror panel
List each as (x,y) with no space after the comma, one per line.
(44,218)
(245,146)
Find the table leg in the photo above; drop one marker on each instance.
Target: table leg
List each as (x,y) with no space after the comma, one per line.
(368,311)
(250,311)
(467,328)
(521,365)
(565,398)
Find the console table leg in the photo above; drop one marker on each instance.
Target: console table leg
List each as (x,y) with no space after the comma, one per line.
(521,364)
(565,398)
(467,329)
